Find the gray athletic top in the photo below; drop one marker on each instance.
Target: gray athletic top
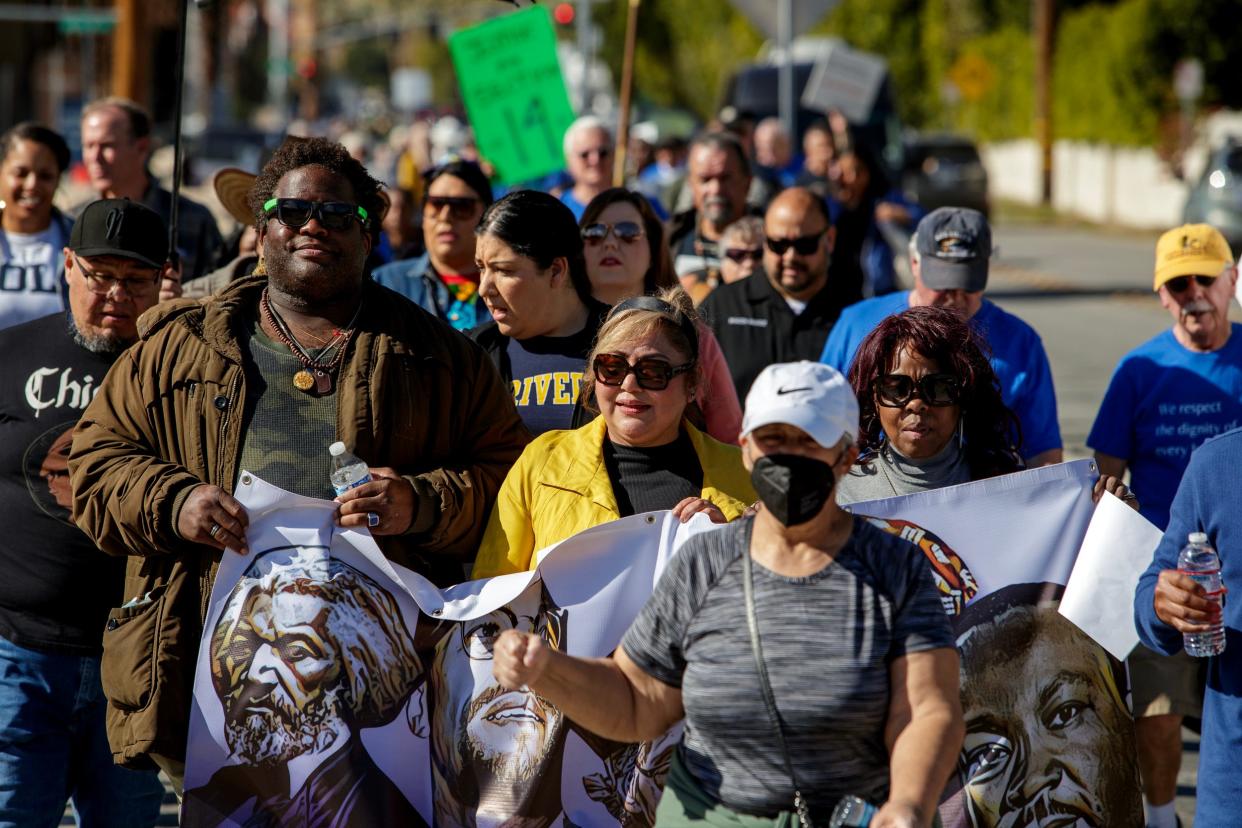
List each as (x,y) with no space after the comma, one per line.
(828,640)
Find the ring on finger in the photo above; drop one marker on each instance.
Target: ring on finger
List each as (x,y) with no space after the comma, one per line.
(373,519)
(215,527)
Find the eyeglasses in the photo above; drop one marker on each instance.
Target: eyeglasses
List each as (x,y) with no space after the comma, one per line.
(651,374)
(602,153)
(1180,284)
(625,231)
(460,207)
(803,245)
(895,390)
(101,284)
(296,212)
(742,254)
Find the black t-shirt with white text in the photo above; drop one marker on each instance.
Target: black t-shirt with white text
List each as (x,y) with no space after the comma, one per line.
(57,587)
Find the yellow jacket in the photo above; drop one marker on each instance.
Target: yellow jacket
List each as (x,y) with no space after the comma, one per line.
(560,486)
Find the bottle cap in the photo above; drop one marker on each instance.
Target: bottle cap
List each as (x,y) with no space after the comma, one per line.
(1198,537)
(336,449)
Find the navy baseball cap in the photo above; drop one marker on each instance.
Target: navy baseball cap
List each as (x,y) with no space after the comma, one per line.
(954,244)
(120,227)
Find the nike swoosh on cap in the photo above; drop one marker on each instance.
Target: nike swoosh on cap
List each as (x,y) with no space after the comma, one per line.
(792,390)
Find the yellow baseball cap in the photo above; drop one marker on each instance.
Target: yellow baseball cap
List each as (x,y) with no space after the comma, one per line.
(1191,250)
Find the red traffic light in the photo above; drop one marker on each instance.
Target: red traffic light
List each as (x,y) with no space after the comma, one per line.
(563,13)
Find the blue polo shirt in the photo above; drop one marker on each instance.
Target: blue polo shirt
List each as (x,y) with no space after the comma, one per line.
(1018,358)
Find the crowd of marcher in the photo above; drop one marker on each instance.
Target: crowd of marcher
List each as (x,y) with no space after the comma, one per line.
(518,366)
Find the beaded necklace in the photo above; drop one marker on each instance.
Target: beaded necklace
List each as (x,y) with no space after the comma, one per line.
(315,375)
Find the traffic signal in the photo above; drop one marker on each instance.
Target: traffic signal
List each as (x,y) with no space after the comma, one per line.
(563,13)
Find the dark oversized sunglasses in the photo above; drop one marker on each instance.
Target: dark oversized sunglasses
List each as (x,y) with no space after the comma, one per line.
(650,373)
(895,390)
(742,254)
(460,207)
(625,231)
(803,245)
(1181,284)
(296,212)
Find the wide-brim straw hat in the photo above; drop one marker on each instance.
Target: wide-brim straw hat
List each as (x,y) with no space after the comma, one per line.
(232,186)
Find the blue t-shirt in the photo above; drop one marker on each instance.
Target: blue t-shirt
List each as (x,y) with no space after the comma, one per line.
(1207,502)
(1018,358)
(547,375)
(1163,401)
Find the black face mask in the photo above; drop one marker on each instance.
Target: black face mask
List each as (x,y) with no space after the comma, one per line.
(793,488)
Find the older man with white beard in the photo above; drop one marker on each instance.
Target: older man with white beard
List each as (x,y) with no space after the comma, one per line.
(1166,397)
(307,652)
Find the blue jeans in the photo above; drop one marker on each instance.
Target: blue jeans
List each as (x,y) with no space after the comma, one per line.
(53,747)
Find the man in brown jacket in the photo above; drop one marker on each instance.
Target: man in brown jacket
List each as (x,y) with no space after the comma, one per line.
(263,376)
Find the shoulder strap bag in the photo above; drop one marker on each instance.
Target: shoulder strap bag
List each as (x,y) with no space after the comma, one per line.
(748,590)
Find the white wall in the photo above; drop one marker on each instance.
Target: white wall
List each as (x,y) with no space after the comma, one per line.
(1114,185)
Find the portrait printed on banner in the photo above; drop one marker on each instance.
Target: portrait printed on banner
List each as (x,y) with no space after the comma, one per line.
(307,652)
(497,755)
(1049,738)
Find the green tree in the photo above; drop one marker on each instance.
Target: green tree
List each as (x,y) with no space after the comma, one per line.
(686,49)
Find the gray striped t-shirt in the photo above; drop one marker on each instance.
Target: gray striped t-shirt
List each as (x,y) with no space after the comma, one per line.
(828,640)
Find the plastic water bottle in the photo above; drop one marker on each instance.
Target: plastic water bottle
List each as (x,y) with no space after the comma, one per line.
(348,471)
(1199,560)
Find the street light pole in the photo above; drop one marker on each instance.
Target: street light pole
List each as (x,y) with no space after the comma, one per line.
(784,40)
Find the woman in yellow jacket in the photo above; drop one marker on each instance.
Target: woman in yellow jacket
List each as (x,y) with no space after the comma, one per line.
(640,455)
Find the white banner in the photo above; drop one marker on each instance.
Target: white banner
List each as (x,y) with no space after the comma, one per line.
(1049,738)
(334,683)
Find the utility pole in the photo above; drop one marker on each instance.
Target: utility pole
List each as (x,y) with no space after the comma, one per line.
(130,46)
(586,52)
(1044,14)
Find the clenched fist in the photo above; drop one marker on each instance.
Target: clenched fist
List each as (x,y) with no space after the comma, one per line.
(519,659)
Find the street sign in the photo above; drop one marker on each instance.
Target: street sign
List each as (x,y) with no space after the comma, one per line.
(71,24)
(763,14)
(511,84)
(847,81)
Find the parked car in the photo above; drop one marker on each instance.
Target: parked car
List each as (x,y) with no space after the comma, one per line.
(942,170)
(1217,198)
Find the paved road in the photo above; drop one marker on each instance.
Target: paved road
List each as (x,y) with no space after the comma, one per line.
(1088,293)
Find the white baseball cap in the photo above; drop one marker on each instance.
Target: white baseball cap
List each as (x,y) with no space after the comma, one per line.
(814,397)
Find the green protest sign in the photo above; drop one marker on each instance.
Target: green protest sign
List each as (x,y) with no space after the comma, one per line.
(510,80)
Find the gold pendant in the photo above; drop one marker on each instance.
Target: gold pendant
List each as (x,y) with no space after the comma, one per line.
(303,381)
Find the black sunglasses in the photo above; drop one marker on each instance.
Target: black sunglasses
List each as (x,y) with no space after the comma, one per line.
(742,254)
(626,231)
(296,212)
(651,374)
(895,390)
(460,207)
(1180,284)
(803,245)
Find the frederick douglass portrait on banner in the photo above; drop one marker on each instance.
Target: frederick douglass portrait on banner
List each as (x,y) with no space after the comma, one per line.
(307,652)
(1048,735)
